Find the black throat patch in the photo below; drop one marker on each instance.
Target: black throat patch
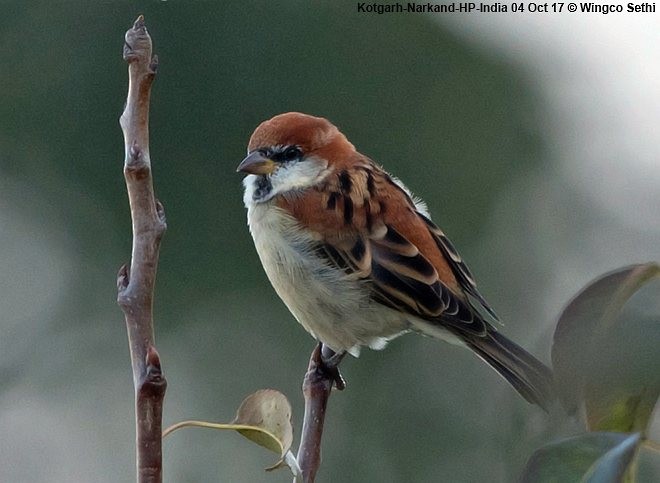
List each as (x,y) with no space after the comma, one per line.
(263,187)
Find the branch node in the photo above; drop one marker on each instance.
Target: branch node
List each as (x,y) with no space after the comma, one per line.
(128,53)
(153,382)
(160,211)
(135,152)
(137,43)
(153,360)
(153,66)
(139,23)
(123,277)
(137,166)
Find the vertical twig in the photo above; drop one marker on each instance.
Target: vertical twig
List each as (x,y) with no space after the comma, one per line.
(135,286)
(320,376)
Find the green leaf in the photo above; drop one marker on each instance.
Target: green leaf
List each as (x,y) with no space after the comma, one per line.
(589,458)
(622,391)
(613,465)
(584,325)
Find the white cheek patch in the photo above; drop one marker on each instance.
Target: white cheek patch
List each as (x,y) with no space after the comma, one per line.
(250,185)
(298,175)
(257,189)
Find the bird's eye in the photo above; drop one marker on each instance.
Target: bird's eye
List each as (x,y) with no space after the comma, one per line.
(291,153)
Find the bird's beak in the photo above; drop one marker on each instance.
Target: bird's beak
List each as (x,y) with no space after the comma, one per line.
(257,163)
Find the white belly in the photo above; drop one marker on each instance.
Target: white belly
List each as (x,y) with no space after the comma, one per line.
(330,304)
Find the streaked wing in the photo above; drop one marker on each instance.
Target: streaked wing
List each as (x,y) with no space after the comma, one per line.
(367,230)
(460,269)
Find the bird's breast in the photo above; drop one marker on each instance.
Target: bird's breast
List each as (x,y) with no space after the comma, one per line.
(333,306)
(300,277)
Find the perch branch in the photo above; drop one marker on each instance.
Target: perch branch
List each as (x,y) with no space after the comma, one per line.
(321,374)
(135,285)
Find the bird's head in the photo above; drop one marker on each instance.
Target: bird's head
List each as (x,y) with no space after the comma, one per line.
(292,151)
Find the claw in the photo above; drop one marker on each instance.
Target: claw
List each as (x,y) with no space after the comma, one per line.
(328,364)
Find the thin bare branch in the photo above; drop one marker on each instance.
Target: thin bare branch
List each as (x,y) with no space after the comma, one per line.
(135,285)
(321,374)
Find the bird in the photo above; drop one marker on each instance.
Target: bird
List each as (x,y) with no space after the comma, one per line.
(356,257)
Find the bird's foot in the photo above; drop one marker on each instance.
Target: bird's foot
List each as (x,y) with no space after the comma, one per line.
(327,363)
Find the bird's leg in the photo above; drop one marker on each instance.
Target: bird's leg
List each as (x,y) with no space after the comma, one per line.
(328,364)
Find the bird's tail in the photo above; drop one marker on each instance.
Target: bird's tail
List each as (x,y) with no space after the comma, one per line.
(530,377)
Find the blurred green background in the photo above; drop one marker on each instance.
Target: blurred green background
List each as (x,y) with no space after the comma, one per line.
(468,127)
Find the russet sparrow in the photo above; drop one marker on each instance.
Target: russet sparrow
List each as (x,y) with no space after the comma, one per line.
(355,256)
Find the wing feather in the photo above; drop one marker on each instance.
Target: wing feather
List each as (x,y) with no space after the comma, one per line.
(407,262)
(460,269)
